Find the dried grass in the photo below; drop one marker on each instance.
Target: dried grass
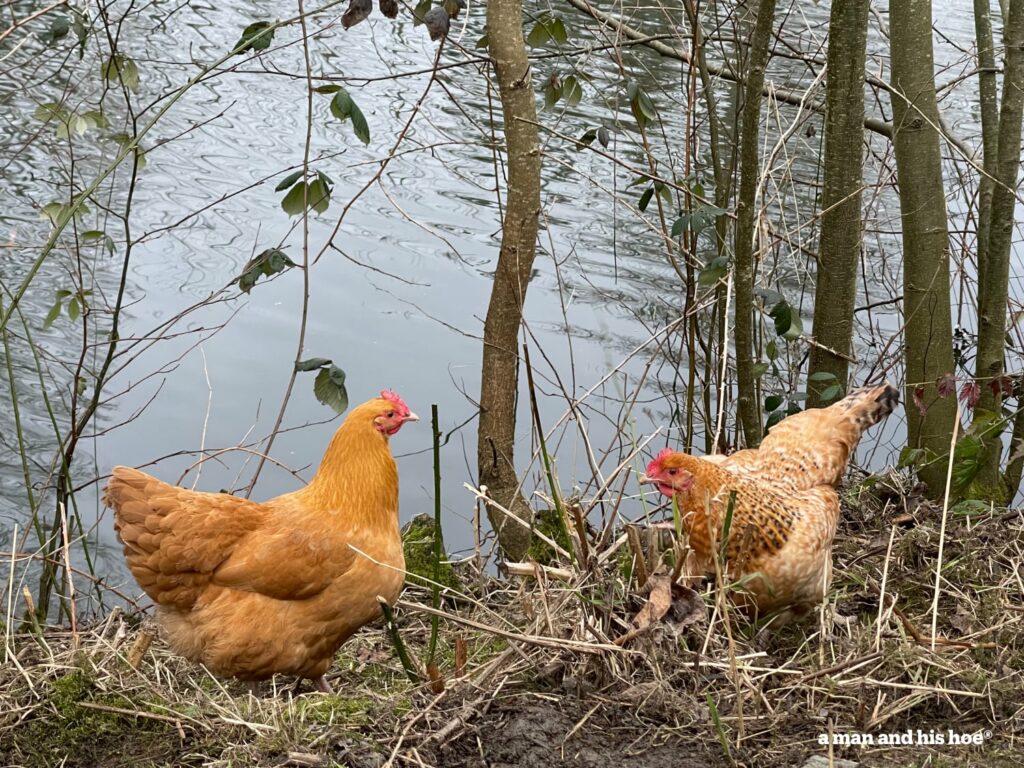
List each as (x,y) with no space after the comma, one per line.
(543,673)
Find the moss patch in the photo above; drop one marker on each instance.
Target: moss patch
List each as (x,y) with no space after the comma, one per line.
(63,732)
(546,522)
(418,544)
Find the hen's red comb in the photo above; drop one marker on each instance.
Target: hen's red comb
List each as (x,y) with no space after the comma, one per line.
(655,465)
(387,394)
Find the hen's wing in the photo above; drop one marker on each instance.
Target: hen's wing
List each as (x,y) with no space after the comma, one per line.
(179,542)
(812,448)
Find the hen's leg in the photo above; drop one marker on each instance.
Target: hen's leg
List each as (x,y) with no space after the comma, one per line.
(322,685)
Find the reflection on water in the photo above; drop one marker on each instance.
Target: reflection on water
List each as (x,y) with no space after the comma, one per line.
(400,302)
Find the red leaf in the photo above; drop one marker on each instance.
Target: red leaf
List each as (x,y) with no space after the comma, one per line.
(945,385)
(1001,385)
(918,395)
(969,393)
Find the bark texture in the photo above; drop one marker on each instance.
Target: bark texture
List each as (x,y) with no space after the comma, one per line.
(994,261)
(928,334)
(500,369)
(839,252)
(747,408)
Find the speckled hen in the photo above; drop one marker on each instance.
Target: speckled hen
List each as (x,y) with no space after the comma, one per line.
(251,589)
(786,508)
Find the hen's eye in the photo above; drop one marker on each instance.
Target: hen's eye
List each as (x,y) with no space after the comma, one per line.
(390,414)
(673,471)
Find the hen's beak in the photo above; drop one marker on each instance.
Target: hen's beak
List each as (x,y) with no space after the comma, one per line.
(645,480)
(411,417)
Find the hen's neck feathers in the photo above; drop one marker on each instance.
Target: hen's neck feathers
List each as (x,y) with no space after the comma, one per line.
(357,477)
(761,518)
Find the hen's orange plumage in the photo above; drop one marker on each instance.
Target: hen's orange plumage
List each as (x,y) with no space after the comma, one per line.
(786,508)
(251,589)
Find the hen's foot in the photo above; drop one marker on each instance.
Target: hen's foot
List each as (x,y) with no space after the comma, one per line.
(322,685)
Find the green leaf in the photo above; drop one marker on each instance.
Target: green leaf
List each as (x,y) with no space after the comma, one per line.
(294,202)
(760,369)
(268,262)
(483,42)
(58,29)
(640,104)
(822,376)
(288,180)
(645,198)
(319,198)
(311,364)
(327,89)
(587,138)
(603,136)
(95,118)
(556,28)
(343,107)
(121,68)
(254,37)
(967,460)
(787,322)
(329,388)
(57,213)
(714,271)
(73,309)
(772,402)
(774,418)
(971,507)
(663,191)
(539,35)
(421,10)
(910,457)
(52,315)
(572,91)
(96,235)
(81,31)
(832,392)
(771,350)
(680,225)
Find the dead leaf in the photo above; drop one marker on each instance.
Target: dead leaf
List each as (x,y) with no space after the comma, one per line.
(961,620)
(436,681)
(367,655)
(680,606)
(460,656)
(659,600)
(687,608)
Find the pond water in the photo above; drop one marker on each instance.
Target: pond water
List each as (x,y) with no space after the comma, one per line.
(399,303)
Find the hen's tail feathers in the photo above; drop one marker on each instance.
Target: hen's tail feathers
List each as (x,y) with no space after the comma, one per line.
(140,503)
(813,447)
(869,405)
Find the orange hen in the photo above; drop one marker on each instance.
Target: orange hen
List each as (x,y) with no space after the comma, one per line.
(253,589)
(786,508)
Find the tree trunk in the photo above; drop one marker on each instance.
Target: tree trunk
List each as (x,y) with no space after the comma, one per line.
(989,120)
(994,268)
(500,369)
(757,60)
(839,253)
(928,348)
